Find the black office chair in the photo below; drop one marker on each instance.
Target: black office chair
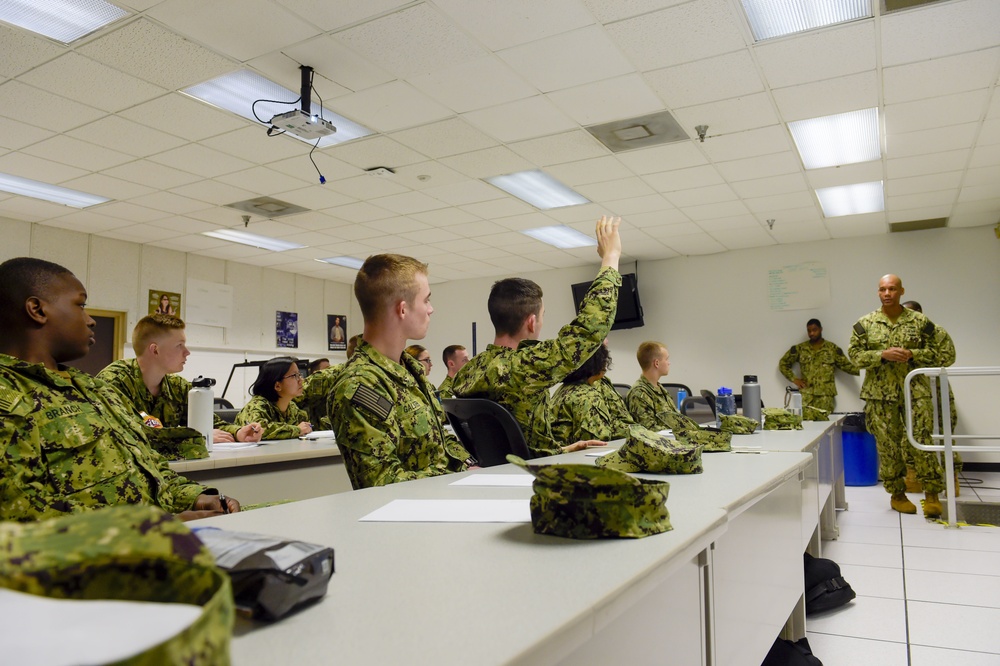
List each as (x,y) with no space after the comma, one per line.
(697,408)
(227,415)
(673,388)
(221,403)
(622,389)
(709,398)
(486,429)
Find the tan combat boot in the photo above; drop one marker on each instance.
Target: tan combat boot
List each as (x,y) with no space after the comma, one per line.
(902,504)
(932,506)
(913,484)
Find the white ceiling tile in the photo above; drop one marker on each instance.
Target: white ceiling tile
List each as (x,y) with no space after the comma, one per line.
(794,216)
(982,176)
(89,82)
(767,205)
(185,225)
(979,192)
(501,24)
(477,229)
(775,164)
(675,35)
(431,236)
(432,42)
(522,119)
(893,216)
(583,215)
(709,80)
(870,224)
(584,172)
(818,55)
(219,216)
(475,84)
(939,29)
(389,107)
(862,172)
(685,179)
(214,192)
(495,161)
(498,208)
(920,165)
(604,101)
(183,116)
(314,197)
(531,220)
(262,180)
(273,228)
(918,184)
(926,142)
(444,138)
(366,187)
(984,156)
(615,189)
(301,167)
(152,174)
(445,217)
(922,199)
(565,147)
(169,202)
(106,186)
(126,136)
(361,211)
(231,251)
(397,225)
(800,233)
(87,222)
(934,78)
(141,233)
(338,69)
(150,52)
(990,133)
(253,144)
(241,29)
(730,224)
(36,168)
(729,116)
(715,210)
(466,192)
(330,16)
(994,111)
(825,98)
(408,202)
(635,205)
(200,160)
(761,187)
(15,135)
(43,109)
(427,174)
(974,218)
(763,141)
(571,59)
(607,12)
(701,195)
(694,244)
(78,153)
(30,210)
(315,220)
(663,158)
(124,210)
(937,112)
(20,51)
(738,239)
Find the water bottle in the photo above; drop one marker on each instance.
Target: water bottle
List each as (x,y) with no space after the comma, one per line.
(793,400)
(201,415)
(751,397)
(725,403)
(681,394)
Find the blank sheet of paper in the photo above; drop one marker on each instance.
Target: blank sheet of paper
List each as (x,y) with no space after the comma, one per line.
(510,480)
(452,511)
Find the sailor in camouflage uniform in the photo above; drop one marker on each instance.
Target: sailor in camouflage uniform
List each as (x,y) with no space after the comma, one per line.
(518,369)
(389,424)
(68,443)
(818,359)
(454,358)
(647,400)
(587,406)
(278,383)
(888,343)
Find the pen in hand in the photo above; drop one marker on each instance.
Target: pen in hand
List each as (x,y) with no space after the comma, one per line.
(224,503)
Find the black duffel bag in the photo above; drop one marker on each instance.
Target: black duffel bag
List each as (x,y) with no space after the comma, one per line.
(825,587)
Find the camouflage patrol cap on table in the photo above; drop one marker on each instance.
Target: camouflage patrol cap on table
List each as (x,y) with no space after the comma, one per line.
(647,451)
(177,443)
(739,425)
(810,413)
(588,502)
(687,430)
(776,418)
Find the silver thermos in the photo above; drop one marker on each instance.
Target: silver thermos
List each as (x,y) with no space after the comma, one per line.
(751,397)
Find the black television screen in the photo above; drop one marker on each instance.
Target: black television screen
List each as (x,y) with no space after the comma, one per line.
(629,314)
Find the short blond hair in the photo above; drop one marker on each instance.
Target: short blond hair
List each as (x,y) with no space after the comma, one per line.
(151,327)
(647,353)
(385,279)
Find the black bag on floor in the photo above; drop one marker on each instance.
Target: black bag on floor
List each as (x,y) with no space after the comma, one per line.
(787,653)
(825,587)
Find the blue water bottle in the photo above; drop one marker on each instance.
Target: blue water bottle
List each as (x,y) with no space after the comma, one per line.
(725,403)
(681,394)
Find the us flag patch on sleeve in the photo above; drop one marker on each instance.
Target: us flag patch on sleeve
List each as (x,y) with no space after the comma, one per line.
(8,398)
(369,399)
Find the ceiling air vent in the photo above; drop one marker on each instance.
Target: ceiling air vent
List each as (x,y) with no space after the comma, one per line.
(267,207)
(918,225)
(641,132)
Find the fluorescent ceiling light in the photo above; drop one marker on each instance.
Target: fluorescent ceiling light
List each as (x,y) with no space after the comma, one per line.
(844,138)
(775,18)
(539,189)
(561,236)
(852,199)
(347,262)
(62,20)
(237,92)
(263,242)
(53,193)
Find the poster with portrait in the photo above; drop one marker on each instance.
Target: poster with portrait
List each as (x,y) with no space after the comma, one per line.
(164,302)
(337,325)
(286,328)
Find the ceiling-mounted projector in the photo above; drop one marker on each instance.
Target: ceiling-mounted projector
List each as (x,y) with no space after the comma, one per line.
(303,125)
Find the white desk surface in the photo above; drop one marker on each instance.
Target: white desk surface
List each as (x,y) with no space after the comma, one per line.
(482,593)
(268,451)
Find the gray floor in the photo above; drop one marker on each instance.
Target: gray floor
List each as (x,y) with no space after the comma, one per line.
(927,595)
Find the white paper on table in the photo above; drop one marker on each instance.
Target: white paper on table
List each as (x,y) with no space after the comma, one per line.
(232,446)
(510,480)
(88,631)
(597,453)
(452,511)
(319,434)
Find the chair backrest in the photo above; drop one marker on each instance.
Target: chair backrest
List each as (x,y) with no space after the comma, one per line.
(221,403)
(673,387)
(739,401)
(227,415)
(697,408)
(709,398)
(486,429)
(622,389)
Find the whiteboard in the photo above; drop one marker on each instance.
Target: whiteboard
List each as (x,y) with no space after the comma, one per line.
(209,303)
(799,286)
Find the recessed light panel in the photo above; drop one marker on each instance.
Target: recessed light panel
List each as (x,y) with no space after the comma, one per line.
(346,262)
(539,189)
(852,199)
(245,238)
(54,193)
(62,20)
(776,18)
(843,138)
(561,236)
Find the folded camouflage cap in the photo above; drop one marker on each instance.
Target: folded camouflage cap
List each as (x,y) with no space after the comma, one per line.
(739,425)
(588,502)
(811,413)
(177,443)
(647,451)
(128,553)
(688,431)
(776,418)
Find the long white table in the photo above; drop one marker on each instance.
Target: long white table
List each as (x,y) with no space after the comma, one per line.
(715,590)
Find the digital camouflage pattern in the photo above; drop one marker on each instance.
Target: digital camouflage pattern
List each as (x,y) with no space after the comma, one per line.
(588,411)
(170,406)
(445,390)
(274,424)
(587,502)
(180,443)
(68,444)
(738,425)
(389,424)
(687,430)
(315,398)
(944,351)
(520,379)
(649,404)
(817,367)
(647,451)
(882,392)
(776,418)
(814,413)
(125,553)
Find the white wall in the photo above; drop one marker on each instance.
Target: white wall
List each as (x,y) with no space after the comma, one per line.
(713,311)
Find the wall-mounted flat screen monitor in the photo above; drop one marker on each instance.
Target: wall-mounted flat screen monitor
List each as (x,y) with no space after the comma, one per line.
(629,313)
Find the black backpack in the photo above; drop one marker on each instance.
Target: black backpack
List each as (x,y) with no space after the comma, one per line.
(787,653)
(825,587)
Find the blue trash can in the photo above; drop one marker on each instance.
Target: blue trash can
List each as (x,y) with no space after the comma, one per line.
(860,454)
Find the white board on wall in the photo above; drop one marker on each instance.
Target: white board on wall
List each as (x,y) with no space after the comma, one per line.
(208,303)
(801,286)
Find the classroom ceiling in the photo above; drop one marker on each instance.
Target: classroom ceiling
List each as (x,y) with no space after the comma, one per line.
(460,90)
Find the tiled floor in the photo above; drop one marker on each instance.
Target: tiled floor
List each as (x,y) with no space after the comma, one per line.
(927,595)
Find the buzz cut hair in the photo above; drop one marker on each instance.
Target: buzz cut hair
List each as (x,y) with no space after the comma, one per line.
(511,301)
(648,352)
(20,279)
(814,322)
(449,352)
(386,279)
(151,327)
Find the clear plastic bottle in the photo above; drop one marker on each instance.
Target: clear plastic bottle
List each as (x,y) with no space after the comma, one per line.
(751,397)
(725,403)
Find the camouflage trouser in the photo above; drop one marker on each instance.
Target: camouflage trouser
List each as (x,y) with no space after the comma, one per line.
(940,428)
(824,402)
(885,420)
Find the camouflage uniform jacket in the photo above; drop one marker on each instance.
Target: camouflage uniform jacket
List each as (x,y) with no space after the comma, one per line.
(584,411)
(520,379)
(275,424)
(388,423)
(315,396)
(817,366)
(647,403)
(445,389)
(68,443)
(873,334)
(170,406)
